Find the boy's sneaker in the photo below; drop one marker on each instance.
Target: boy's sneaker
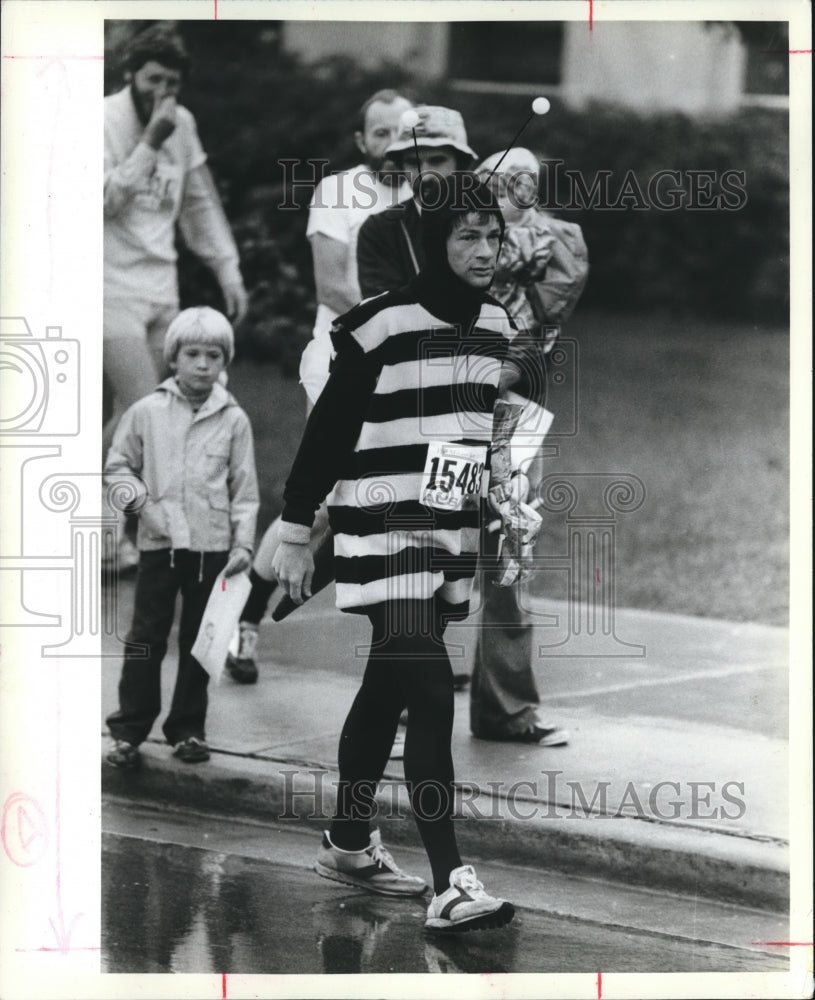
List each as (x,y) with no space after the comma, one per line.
(372,868)
(465,906)
(192,750)
(123,754)
(240,660)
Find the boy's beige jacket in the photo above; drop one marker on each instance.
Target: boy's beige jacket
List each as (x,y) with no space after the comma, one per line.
(198,470)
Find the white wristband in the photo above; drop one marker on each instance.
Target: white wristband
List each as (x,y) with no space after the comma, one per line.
(298,534)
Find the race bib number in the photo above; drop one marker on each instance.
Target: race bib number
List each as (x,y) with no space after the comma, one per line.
(452,476)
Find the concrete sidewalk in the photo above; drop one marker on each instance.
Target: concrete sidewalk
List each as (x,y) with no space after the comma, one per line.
(675,776)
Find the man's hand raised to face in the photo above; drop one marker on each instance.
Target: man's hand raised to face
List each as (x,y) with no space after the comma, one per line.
(162,121)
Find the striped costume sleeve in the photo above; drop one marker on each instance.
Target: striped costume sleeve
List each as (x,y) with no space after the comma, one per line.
(331,431)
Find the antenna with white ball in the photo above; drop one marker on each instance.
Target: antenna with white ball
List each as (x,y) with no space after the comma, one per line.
(539,107)
(410,119)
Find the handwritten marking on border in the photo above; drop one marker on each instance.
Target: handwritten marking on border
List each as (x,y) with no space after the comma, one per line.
(24,830)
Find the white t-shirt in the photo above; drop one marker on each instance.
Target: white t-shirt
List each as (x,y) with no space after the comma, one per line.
(340,204)
(143,195)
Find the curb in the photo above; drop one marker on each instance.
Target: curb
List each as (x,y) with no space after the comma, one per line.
(721,866)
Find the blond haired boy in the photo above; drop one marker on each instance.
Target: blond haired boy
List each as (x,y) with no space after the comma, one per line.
(189,445)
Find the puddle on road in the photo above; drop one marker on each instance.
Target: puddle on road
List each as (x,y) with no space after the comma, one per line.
(172,908)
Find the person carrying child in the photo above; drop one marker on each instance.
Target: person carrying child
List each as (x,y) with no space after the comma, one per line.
(541,273)
(190,446)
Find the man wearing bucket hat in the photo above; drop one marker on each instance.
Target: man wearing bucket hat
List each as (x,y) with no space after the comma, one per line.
(389,247)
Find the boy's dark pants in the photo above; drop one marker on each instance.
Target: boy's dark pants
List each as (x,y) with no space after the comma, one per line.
(157,586)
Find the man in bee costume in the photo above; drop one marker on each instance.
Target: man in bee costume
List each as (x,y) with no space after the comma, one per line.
(398,443)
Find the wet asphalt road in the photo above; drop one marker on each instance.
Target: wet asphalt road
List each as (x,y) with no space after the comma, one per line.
(170,907)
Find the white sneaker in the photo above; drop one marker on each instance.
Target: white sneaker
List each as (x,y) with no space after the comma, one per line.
(465,906)
(372,868)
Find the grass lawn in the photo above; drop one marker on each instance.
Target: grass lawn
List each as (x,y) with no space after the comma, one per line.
(698,411)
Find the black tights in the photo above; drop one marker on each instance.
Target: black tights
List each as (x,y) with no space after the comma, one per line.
(408,667)
(258,599)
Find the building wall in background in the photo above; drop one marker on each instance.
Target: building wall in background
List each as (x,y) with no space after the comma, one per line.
(420,47)
(655,66)
(651,67)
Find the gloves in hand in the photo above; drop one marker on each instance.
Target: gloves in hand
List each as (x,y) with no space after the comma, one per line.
(520,526)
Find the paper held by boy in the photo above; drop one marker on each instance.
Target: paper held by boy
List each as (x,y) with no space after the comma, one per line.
(219,622)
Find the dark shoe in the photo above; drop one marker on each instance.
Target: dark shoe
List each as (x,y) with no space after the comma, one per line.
(545,736)
(241,665)
(191,751)
(123,754)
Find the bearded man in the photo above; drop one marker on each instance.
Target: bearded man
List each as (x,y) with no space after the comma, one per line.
(340,205)
(155,177)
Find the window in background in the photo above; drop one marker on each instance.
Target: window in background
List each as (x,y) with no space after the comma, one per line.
(506,52)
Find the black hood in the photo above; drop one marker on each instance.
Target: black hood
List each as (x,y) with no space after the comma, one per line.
(441,200)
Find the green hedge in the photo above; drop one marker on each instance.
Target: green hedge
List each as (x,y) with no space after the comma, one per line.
(256,104)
